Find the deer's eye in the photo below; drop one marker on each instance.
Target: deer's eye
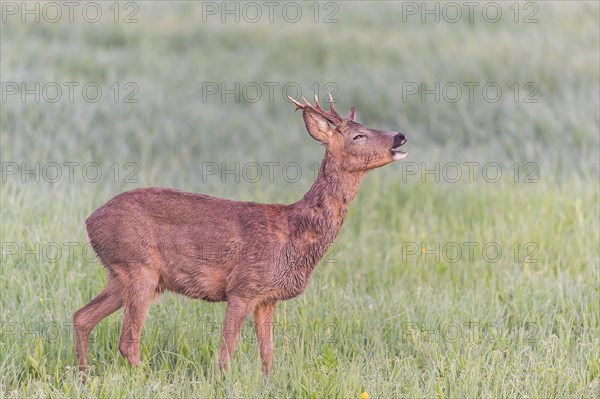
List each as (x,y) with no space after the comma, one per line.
(359,137)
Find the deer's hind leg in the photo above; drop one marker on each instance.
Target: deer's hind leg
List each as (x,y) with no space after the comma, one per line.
(85,319)
(138,293)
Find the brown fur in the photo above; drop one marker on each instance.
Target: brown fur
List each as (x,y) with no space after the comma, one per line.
(250,255)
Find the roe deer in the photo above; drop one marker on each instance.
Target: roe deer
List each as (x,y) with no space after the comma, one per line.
(154,239)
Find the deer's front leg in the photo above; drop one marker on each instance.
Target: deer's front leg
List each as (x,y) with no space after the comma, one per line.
(263,325)
(237,311)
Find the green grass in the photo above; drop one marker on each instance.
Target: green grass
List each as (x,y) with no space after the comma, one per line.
(379,315)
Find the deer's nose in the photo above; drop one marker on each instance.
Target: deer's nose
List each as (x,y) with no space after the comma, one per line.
(399,140)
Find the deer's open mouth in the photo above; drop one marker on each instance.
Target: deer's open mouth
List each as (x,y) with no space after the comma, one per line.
(396,153)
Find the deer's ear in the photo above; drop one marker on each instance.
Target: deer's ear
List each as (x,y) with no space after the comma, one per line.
(318,127)
(352,114)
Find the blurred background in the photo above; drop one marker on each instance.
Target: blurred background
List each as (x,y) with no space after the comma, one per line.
(499,101)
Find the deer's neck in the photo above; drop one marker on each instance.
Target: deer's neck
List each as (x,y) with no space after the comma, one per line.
(332,192)
(319,215)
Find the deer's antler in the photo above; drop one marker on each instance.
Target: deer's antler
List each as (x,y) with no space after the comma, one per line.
(332,116)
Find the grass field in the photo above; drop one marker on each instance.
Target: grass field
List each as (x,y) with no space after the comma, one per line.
(483,284)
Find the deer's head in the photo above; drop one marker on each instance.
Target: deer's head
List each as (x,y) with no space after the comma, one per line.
(356,147)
